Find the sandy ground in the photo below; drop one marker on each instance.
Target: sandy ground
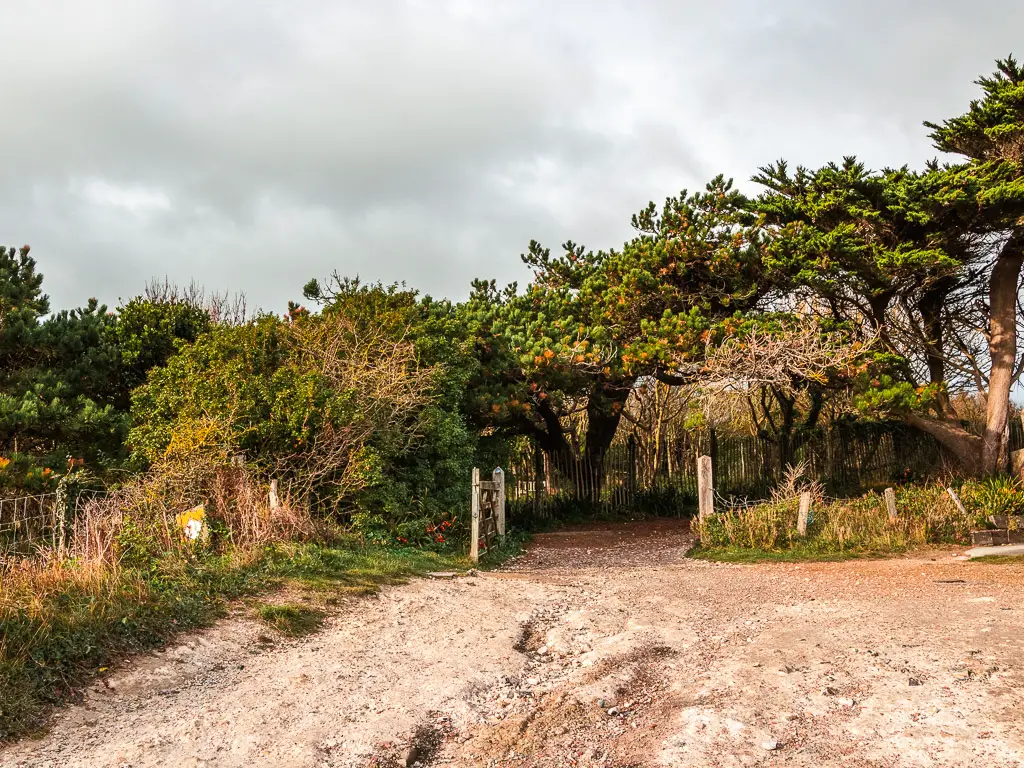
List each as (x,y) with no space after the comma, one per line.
(598,648)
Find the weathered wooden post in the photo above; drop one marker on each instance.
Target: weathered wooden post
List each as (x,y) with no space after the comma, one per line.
(499,481)
(474,542)
(805,511)
(705,488)
(275,500)
(956,500)
(890,504)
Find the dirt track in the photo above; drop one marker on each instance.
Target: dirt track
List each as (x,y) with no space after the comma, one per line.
(602,648)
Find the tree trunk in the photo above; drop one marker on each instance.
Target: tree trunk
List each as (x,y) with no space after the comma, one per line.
(1002,349)
(954,438)
(604,411)
(787,422)
(930,306)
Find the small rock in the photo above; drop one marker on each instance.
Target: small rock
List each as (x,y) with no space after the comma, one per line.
(602,703)
(770,744)
(542,650)
(847,702)
(613,711)
(829,691)
(913,681)
(412,756)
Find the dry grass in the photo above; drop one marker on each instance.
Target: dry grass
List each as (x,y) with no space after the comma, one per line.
(927,515)
(128,576)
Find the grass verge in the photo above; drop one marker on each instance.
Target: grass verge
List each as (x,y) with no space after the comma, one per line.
(62,625)
(797,554)
(999,560)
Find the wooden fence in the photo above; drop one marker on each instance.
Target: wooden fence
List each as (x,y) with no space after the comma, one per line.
(846,461)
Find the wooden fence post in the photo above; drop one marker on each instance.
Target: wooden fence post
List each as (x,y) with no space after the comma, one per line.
(499,479)
(805,509)
(474,542)
(275,500)
(956,500)
(705,488)
(890,504)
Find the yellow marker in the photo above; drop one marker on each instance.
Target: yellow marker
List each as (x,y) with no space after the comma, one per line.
(192,523)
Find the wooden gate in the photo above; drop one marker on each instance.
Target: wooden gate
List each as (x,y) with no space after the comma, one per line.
(488,512)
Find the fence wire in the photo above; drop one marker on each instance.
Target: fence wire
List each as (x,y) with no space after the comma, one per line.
(41,523)
(28,522)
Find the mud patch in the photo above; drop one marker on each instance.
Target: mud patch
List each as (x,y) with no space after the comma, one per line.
(622,730)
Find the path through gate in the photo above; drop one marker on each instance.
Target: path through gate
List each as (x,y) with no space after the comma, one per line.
(488,512)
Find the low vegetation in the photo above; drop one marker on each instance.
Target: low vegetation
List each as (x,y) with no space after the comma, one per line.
(63,624)
(290,619)
(842,528)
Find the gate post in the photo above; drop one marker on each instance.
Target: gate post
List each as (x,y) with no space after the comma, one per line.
(499,480)
(890,505)
(804,513)
(705,488)
(474,542)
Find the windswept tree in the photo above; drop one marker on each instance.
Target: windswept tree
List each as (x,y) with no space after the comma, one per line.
(982,202)
(564,356)
(927,263)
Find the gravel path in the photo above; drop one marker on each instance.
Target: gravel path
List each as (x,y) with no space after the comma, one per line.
(604,647)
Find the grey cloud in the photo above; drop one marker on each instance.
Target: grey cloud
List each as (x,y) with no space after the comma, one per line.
(253,145)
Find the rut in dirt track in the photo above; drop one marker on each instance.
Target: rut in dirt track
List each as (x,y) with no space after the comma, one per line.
(601,647)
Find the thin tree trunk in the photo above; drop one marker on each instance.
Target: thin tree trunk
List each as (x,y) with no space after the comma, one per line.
(1002,349)
(930,306)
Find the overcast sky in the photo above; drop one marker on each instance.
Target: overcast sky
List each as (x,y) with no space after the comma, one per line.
(253,145)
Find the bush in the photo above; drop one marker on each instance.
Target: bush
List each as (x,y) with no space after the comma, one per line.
(1002,495)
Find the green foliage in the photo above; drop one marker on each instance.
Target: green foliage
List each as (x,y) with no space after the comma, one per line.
(232,373)
(58,377)
(907,255)
(1000,495)
(267,382)
(426,483)
(22,304)
(64,388)
(147,334)
(591,323)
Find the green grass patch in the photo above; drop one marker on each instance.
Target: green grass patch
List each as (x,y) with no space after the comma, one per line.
(60,626)
(290,619)
(999,560)
(796,554)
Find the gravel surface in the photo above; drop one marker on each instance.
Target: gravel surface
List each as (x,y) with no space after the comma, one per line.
(600,647)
